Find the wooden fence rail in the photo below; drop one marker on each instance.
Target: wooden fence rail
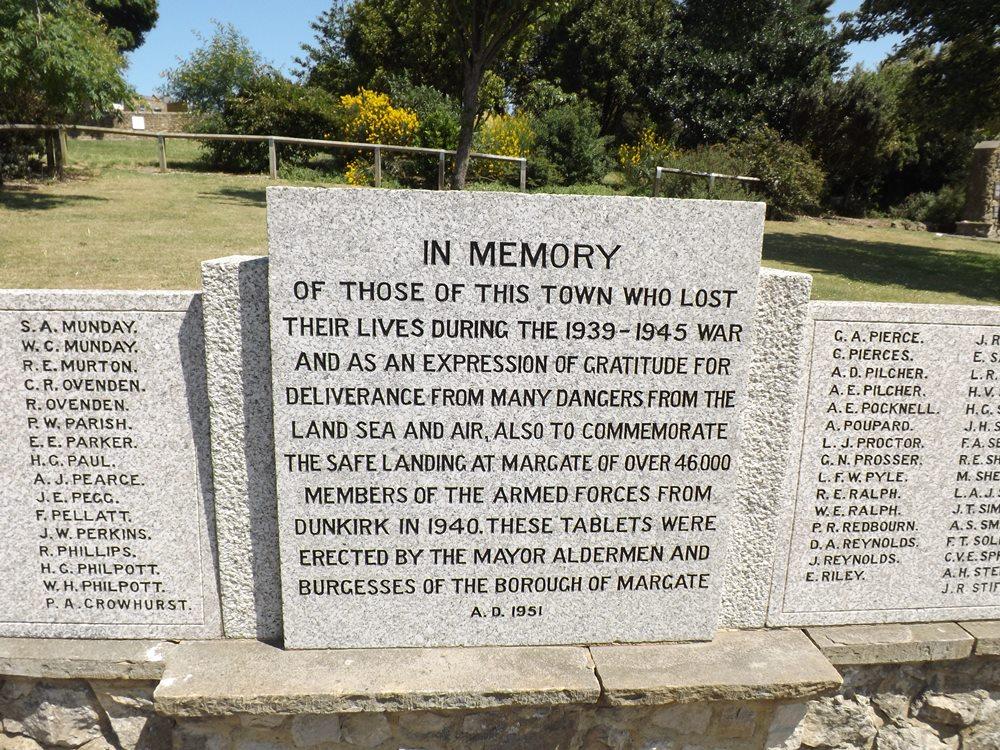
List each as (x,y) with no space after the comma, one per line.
(56,147)
(710,175)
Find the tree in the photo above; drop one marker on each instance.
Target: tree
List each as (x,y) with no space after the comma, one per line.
(219,68)
(57,62)
(127,20)
(607,51)
(361,42)
(728,71)
(483,29)
(955,47)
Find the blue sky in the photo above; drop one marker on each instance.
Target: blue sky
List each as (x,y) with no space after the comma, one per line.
(276,29)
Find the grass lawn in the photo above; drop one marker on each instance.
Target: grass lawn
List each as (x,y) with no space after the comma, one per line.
(118,223)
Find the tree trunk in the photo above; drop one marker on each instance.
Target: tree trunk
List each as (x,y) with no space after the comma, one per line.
(467,121)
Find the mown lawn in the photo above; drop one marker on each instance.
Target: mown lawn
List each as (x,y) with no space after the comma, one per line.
(118,223)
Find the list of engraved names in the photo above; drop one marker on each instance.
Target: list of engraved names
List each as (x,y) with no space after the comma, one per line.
(101,503)
(898,501)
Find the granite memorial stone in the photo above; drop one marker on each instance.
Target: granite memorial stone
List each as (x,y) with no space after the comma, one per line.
(105,513)
(896,502)
(505,419)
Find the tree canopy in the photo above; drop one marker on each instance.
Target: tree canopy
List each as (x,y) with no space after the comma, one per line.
(57,62)
(127,20)
(219,68)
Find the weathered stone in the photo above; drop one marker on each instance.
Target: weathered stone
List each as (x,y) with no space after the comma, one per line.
(18,742)
(733,721)
(255,743)
(785,728)
(689,718)
(238,355)
(737,665)
(776,372)
(95,659)
(835,722)
(885,411)
(957,709)
(195,737)
(492,245)
(131,363)
(223,677)
(365,730)
(128,708)
(910,736)
(889,644)
(65,716)
(896,706)
(987,635)
(265,721)
(422,723)
(309,731)
(98,743)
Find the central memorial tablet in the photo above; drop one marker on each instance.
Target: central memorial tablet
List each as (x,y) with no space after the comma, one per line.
(505,419)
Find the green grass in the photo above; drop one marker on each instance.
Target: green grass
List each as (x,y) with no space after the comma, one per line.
(119,223)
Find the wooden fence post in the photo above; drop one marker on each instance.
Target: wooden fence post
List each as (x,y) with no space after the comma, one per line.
(441,170)
(161,146)
(50,156)
(378,167)
(524,175)
(59,153)
(711,183)
(272,158)
(656,183)
(63,145)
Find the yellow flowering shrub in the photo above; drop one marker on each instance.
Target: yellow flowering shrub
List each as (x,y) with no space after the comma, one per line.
(359,172)
(504,135)
(371,118)
(639,159)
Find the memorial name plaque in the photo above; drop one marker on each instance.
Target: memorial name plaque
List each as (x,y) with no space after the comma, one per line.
(105,470)
(505,419)
(896,512)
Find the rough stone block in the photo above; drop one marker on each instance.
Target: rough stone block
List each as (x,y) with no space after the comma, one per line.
(892,644)
(987,635)
(212,678)
(238,353)
(67,659)
(777,374)
(737,665)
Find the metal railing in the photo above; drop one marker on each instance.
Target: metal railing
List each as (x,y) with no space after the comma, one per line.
(710,175)
(58,158)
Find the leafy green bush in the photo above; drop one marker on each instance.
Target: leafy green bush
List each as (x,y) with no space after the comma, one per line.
(437,113)
(568,136)
(717,159)
(270,105)
(939,211)
(791,180)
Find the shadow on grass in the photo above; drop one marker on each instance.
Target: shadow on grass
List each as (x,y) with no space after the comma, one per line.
(238,196)
(27,198)
(973,274)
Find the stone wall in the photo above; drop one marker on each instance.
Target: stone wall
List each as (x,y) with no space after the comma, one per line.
(981,217)
(920,706)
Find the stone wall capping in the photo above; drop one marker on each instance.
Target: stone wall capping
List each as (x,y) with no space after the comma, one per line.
(737,665)
(987,635)
(893,644)
(221,678)
(67,659)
